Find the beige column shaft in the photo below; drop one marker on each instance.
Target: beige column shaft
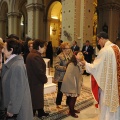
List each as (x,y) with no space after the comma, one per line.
(14,23)
(48,30)
(30,23)
(35,21)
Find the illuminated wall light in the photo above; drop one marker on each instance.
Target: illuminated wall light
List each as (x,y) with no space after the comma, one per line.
(54,17)
(51,30)
(21,23)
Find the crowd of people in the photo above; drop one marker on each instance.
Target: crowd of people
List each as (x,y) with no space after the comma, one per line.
(23,75)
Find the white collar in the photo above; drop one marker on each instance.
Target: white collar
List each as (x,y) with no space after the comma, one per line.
(12,56)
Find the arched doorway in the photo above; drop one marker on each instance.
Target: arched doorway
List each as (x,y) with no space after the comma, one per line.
(54,22)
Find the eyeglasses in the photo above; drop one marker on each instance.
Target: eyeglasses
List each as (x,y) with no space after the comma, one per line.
(66,48)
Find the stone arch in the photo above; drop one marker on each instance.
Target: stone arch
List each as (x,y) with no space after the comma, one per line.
(3,19)
(48,6)
(54,9)
(3,8)
(18,8)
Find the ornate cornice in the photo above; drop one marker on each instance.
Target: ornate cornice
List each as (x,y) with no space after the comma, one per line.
(35,6)
(109,6)
(13,14)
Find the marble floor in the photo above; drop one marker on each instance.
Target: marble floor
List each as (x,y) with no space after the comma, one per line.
(88,113)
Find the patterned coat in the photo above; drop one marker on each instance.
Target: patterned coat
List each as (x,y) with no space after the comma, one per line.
(36,69)
(16,92)
(60,66)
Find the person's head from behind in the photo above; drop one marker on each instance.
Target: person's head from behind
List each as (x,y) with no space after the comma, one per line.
(49,43)
(66,48)
(1,40)
(39,45)
(13,36)
(77,57)
(30,45)
(1,46)
(11,46)
(102,37)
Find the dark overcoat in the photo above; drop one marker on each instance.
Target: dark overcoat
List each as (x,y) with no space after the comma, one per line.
(88,57)
(16,92)
(36,69)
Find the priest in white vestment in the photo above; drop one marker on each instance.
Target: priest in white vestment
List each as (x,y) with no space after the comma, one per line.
(105,70)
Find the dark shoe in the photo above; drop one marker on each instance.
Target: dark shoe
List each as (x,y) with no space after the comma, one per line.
(75,116)
(44,114)
(76,111)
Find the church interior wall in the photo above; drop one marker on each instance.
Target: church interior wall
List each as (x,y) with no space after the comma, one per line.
(68,12)
(88,21)
(78,24)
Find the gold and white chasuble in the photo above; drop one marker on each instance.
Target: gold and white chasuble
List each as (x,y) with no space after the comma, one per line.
(106,71)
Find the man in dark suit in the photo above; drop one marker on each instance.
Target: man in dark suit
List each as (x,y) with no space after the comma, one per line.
(87,51)
(75,47)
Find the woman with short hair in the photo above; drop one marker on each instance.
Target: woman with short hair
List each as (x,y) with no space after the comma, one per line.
(16,92)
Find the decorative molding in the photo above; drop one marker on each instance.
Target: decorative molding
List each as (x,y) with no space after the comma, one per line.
(66,34)
(109,6)
(35,6)
(13,14)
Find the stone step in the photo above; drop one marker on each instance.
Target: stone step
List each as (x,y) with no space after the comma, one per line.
(49,88)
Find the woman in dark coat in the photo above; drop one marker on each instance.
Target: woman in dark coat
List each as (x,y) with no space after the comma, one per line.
(36,69)
(49,52)
(16,92)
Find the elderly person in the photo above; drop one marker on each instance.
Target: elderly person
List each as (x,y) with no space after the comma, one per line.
(16,92)
(36,69)
(60,65)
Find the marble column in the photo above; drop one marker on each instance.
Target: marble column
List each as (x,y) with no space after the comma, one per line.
(2,28)
(14,19)
(68,20)
(48,30)
(35,20)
